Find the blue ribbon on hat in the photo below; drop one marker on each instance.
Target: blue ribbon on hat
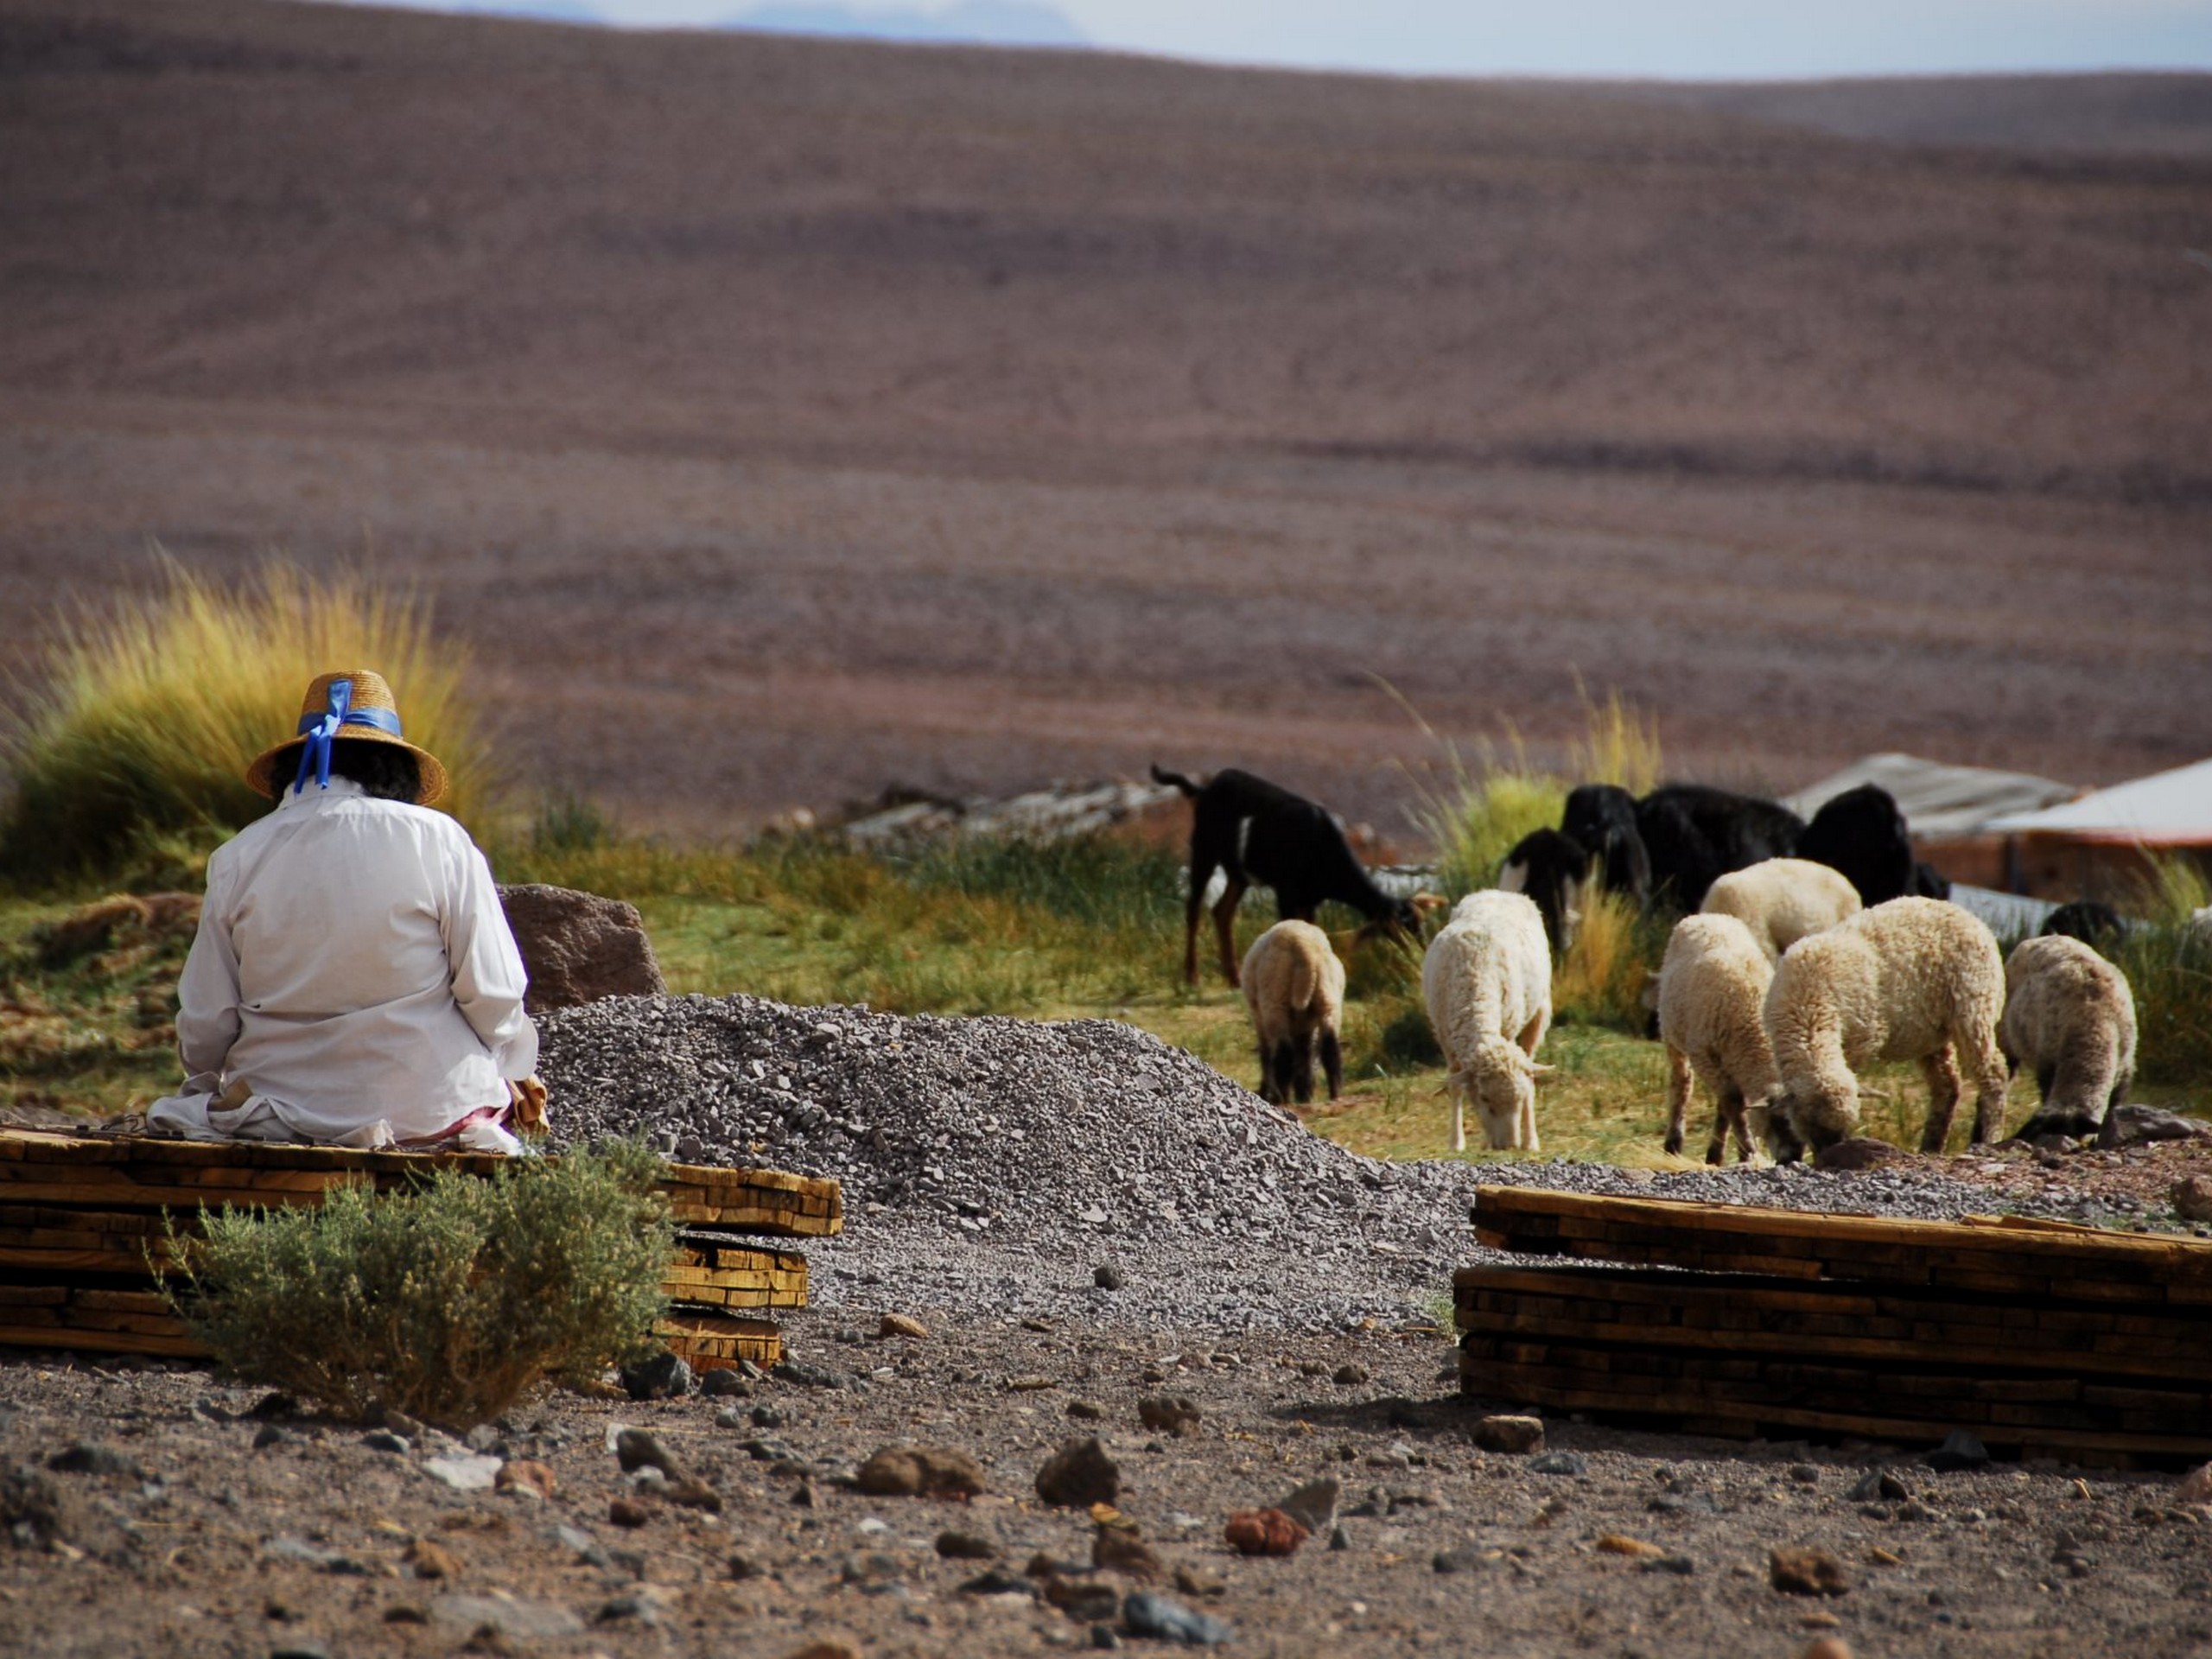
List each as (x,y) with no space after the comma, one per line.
(320,730)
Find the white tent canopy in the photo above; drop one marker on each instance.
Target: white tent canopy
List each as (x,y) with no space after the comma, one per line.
(1939,802)
(2168,809)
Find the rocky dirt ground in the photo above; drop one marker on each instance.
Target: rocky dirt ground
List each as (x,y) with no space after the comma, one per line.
(168,1512)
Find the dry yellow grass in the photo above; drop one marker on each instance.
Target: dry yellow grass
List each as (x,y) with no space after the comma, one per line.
(152,706)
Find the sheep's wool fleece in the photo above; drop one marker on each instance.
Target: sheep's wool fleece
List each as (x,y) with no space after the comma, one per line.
(1891,983)
(2063,1001)
(1487,974)
(1782,900)
(1712,986)
(1293,982)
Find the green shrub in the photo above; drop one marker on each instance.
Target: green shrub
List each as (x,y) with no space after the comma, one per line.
(132,753)
(449,1302)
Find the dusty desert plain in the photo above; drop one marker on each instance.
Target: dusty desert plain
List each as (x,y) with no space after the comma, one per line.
(778,421)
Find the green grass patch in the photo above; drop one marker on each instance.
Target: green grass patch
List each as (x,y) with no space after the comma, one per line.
(1075,931)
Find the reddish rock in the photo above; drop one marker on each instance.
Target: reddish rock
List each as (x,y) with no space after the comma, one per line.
(578,947)
(1806,1573)
(1264,1532)
(919,1472)
(629,1512)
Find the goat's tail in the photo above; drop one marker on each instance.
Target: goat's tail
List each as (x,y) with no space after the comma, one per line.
(1174,778)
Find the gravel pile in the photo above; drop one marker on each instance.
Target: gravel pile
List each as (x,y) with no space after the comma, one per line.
(997,1165)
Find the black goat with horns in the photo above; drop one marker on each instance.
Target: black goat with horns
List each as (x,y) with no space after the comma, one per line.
(1258,834)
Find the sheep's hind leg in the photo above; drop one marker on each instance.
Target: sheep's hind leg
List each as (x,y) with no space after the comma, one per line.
(1941,1069)
(1727,1113)
(1979,1048)
(1301,1069)
(1678,1097)
(1333,1063)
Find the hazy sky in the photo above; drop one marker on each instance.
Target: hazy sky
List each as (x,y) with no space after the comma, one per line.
(1719,38)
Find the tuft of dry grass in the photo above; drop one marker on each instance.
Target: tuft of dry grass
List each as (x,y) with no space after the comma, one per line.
(132,750)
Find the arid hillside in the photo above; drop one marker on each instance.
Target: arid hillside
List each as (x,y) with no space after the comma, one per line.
(779,419)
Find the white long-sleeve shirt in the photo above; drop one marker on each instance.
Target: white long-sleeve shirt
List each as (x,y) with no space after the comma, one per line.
(353,972)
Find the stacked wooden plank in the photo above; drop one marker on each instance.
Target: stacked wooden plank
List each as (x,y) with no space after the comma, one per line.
(2038,1337)
(84,1230)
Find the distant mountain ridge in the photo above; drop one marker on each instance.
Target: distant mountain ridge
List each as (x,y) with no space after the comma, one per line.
(971,23)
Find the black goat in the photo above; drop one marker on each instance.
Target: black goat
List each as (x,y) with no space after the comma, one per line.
(1602,817)
(1928,882)
(2096,925)
(1694,834)
(1551,869)
(1258,834)
(1861,833)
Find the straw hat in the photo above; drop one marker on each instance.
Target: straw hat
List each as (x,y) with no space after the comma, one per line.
(355,706)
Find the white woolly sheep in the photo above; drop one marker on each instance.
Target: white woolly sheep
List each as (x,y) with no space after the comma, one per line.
(1296,987)
(1487,980)
(1712,986)
(2069,1018)
(1914,979)
(1782,900)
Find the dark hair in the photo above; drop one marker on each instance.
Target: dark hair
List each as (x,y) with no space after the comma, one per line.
(384,771)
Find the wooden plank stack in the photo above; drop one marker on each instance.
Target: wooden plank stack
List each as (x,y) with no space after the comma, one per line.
(2038,1337)
(82,1235)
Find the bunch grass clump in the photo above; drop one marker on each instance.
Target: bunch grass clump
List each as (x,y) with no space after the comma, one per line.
(1478,813)
(134,748)
(449,1302)
(2168,962)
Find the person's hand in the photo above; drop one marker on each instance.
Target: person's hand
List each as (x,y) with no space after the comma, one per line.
(529,1096)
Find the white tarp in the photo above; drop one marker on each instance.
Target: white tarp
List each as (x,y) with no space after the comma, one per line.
(2168,809)
(1939,802)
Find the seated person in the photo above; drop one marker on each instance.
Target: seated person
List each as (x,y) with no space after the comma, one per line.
(353,982)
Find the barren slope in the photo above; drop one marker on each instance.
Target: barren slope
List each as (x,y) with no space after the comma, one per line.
(782,418)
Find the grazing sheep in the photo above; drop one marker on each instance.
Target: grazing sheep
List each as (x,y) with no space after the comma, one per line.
(1551,868)
(1487,980)
(2069,1018)
(1296,987)
(1914,979)
(1713,987)
(1783,899)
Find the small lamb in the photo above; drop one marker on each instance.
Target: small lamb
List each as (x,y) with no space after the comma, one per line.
(1712,986)
(1487,980)
(1913,979)
(1782,900)
(1296,987)
(2069,1018)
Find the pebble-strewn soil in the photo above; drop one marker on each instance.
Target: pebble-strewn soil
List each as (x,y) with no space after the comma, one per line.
(202,1544)
(1287,1289)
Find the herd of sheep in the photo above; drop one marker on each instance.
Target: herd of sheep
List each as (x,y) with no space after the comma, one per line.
(1790,976)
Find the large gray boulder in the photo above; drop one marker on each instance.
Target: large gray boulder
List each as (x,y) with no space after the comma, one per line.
(579,947)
